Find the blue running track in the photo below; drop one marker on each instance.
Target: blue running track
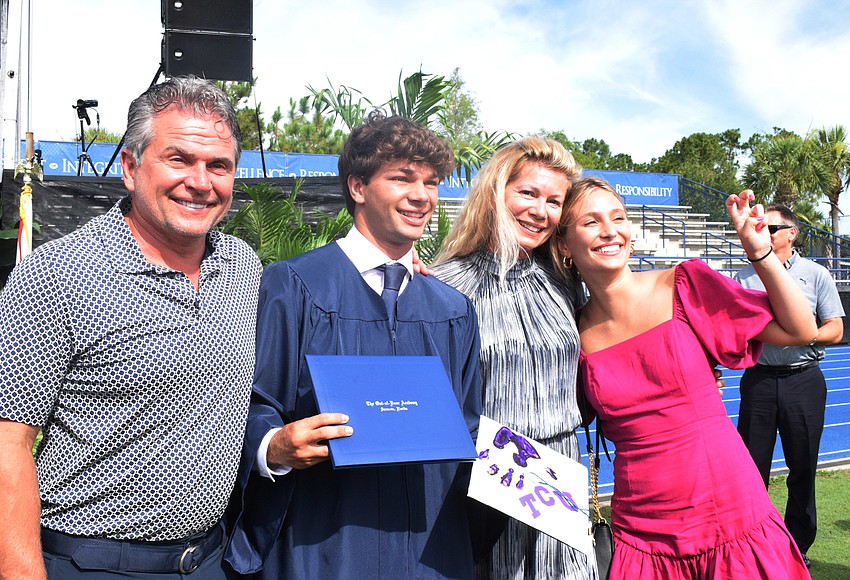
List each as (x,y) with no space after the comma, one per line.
(835,444)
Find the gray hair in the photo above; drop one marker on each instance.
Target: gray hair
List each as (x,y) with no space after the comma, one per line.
(190,94)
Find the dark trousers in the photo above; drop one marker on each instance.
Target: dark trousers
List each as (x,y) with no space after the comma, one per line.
(69,557)
(793,405)
(61,568)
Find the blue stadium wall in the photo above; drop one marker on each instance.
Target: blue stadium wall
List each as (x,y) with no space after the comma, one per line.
(61,159)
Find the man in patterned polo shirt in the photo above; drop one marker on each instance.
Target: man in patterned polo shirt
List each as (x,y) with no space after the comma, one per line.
(130,344)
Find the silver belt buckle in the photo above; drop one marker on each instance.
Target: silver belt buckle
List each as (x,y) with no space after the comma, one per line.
(181,567)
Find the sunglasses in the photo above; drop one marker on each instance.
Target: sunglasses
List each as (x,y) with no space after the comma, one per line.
(776,227)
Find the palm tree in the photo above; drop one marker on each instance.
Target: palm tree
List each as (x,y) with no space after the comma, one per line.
(831,146)
(424,99)
(344,103)
(274,225)
(786,165)
(421,97)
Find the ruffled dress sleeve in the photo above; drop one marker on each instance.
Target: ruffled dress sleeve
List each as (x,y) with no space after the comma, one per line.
(724,315)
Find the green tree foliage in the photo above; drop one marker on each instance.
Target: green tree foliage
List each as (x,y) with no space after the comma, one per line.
(807,241)
(94,135)
(429,245)
(807,212)
(707,158)
(831,147)
(471,157)
(563,139)
(711,159)
(594,153)
(275,225)
(785,168)
(346,104)
(458,119)
(305,130)
(420,97)
(246,116)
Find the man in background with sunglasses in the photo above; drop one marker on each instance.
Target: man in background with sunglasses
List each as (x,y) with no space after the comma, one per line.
(786,390)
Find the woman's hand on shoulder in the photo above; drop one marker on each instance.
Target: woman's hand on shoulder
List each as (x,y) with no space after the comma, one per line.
(419,266)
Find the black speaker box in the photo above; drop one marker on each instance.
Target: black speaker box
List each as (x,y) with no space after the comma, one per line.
(223,57)
(233,16)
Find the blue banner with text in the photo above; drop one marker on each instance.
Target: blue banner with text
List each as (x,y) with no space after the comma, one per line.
(641,188)
(62,158)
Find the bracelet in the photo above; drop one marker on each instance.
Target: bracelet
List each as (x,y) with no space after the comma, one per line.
(769,252)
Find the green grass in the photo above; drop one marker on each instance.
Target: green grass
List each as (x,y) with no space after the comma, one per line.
(830,554)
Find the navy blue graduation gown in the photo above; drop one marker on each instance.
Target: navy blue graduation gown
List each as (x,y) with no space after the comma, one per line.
(394,522)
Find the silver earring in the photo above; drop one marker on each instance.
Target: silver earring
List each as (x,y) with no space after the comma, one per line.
(567,262)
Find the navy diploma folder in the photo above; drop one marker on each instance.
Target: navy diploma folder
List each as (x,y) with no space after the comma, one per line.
(402,409)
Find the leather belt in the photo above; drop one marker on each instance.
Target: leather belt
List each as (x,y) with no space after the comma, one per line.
(182,556)
(784,371)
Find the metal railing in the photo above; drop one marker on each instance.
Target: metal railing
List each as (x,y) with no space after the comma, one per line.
(818,245)
(640,262)
(665,223)
(821,246)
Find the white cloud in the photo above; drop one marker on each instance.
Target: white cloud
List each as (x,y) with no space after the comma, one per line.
(639,75)
(786,61)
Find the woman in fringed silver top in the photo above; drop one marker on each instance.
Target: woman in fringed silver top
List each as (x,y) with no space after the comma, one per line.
(529,341)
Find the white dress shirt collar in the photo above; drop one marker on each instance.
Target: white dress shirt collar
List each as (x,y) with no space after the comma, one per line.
(366,257)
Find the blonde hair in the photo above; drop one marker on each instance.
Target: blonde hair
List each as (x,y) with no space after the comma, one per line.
(582,189)
(484,222)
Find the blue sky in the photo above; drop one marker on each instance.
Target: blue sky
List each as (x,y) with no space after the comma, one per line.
(639,75)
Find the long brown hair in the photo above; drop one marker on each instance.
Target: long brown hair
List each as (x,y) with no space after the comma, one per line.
(582,189)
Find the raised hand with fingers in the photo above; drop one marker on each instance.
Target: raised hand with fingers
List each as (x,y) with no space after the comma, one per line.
(750,225)
(793,322)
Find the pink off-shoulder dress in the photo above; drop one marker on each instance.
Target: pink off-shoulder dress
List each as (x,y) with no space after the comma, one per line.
(688,501)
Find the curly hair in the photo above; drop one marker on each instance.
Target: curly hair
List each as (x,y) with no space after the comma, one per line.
(381,139)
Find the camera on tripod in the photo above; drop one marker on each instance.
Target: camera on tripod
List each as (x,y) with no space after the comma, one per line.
(81,106)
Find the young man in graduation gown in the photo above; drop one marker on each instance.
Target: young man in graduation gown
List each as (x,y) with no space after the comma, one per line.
(294,515)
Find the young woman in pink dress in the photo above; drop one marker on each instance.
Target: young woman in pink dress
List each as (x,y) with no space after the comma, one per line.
(688,501)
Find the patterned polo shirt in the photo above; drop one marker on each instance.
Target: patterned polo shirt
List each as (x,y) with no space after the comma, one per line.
(140,383)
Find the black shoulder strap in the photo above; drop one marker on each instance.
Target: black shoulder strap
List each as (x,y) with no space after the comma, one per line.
(599,438)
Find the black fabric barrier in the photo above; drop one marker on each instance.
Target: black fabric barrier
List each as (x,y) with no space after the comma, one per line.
(62,205)
(845,302)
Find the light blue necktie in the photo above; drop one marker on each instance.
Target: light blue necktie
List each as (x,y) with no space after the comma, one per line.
(393,276)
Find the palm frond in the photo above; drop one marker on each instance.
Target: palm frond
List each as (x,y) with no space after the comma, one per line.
(432,241)
(344,103)
(470,158)
(273,223)
(419,97)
